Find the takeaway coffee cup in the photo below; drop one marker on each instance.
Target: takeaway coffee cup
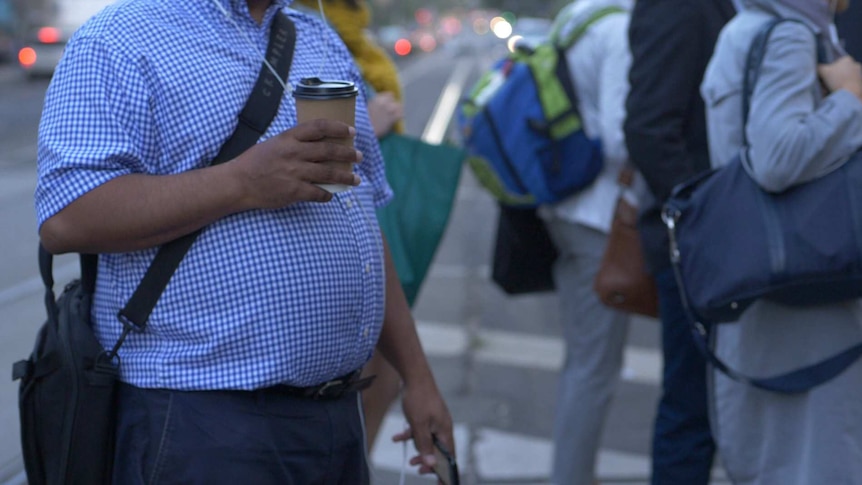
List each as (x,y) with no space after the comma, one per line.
(334,100)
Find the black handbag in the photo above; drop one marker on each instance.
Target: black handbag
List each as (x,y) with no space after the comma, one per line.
(68,385)
(524,253)
(67,394)
(733,243)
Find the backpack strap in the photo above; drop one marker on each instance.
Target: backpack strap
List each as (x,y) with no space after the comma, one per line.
(571,37)
(560,99)
(260,108)
(754,60)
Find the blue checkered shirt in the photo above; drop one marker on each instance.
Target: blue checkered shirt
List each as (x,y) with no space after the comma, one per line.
(292,296)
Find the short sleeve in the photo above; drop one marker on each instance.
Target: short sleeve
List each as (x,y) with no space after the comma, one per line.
(372,168)
(96,124)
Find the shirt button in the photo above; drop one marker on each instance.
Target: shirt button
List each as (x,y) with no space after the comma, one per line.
(367,268)
(366,333)
(349,203)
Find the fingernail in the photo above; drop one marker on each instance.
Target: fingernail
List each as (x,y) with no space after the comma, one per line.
(359,155)
(352,131)
(430,460)
(356,179)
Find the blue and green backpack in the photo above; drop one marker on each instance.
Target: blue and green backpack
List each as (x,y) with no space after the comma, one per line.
(521,126)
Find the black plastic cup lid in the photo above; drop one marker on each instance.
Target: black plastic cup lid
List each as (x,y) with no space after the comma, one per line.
(315,88)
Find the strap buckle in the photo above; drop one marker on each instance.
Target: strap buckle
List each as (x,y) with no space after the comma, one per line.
(128,324)
(21,369)
(336,388)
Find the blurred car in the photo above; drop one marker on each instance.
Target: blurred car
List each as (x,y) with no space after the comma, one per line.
(6,47)
(7,24)
(424,40)
(529,32)
(53,25)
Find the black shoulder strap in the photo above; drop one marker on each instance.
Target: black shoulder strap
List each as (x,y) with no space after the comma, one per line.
(563,45)
(565,77)
(259,110)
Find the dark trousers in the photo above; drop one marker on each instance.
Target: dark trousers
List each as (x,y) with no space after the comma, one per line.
(683,447)
(237,437)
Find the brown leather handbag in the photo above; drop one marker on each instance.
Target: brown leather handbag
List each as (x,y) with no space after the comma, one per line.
(622,281)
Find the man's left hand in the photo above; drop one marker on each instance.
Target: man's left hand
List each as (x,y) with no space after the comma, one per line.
(427,415)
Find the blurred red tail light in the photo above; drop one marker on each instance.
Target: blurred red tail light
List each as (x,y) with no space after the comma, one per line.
(27,56)
(403,47)
(48,35)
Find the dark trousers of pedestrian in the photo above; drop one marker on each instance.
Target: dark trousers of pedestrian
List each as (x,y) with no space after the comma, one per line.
(683,448)
(238,437)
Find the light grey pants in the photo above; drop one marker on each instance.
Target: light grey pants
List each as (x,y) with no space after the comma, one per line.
(595,337)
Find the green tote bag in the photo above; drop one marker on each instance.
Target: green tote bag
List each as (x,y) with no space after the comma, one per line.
(424,178)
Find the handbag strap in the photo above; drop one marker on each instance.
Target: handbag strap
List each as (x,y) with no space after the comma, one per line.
(258,112)
(798,380)
(626,176)
(794,382)
(754,61)
(89,264)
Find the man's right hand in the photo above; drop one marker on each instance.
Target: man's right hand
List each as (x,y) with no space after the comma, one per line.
(138,211)
(284,169)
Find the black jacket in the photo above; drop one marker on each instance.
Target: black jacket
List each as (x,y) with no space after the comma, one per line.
(665,129)
(850,29)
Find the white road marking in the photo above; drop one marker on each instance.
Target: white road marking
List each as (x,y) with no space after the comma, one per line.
(507,456)
(440,118)
(502,455)
(457,271)
(519,349)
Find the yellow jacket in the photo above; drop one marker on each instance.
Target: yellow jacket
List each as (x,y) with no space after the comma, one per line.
(376,67)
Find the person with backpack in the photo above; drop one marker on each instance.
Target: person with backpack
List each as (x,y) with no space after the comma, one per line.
(594,334)
(803,123)
(248,368)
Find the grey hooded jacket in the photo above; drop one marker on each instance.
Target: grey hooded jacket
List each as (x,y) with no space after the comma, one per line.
(796,135)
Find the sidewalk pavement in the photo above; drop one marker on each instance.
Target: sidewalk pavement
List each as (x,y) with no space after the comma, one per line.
(496,360)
